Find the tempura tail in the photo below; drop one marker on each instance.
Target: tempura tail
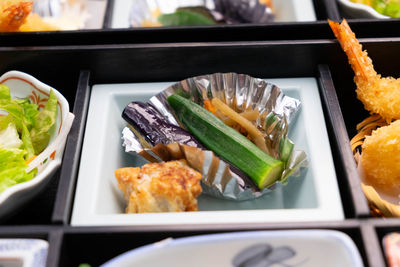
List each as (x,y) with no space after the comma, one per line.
(358,59)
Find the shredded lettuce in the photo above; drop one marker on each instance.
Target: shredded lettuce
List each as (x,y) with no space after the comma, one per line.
(9,137)
(389,8)
(25,131)
(43,124)
(4,93)
(12,168)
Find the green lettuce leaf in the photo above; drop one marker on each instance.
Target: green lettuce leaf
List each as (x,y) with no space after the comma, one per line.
(389,8)
(5,121)
(43,124)
(4,92)
(17,112)
(9,137)
(12,168)
(30,111)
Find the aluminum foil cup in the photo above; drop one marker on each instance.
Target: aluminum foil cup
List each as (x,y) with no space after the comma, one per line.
(145,12)
(241,92)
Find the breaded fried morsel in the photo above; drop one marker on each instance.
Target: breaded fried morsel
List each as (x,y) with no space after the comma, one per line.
(160,187)
(17,16)
(380,159)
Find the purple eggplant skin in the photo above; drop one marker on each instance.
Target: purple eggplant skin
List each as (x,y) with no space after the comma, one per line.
(154,127)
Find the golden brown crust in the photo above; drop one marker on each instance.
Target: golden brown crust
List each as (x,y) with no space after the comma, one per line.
(13,15)
(17,16)
(380,95)
(380,159)
(160,187)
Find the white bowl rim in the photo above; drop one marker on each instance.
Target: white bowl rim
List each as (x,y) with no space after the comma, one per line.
(340,237)
(365,8)
(52,165)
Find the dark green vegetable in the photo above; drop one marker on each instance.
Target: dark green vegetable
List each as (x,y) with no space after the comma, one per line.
(226,142)
(285,150)
(184,18)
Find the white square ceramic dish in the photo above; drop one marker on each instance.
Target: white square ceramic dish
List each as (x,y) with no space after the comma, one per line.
(264,248)
(314,196)
(285,11)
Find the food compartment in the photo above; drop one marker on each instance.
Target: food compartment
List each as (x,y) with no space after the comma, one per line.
(33,16)
(120,241)
(314,195)
(354,113)
(142,13)
(39,193)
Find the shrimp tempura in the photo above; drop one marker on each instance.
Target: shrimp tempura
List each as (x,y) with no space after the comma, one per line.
(379,95)
(13,14)
(17,16)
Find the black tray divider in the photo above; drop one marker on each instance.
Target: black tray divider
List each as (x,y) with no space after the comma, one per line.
(372,245)
(108,14)
(348,173)
(72,154)
(329,8)
(55,240)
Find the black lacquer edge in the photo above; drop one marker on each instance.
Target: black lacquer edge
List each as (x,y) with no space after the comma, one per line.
(341,142)
(372,245)
(108,14)
(326,9)
(72,154)
(55,240)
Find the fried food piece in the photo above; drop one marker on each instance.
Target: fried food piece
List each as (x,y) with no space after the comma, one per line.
(380,95)
(13,14)
(380,159)
(16,16)
(160,187)
(36,23)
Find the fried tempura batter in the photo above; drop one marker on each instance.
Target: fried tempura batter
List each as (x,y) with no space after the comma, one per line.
(13,14)
(160,187)
(16,16)
(380,159)
(379,95)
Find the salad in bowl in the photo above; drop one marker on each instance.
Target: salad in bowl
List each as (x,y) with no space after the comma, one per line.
(34,124)
(379,9)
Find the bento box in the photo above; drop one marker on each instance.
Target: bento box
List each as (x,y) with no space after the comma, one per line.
(104,79)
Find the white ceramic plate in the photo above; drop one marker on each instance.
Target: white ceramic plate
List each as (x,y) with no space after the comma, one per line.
(22,85)
(23,252)
(264,248)
(285,11)
(357,10)
(85,14)
(314,196)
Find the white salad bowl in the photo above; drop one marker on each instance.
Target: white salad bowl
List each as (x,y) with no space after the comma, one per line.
(358,10)
(24,85)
